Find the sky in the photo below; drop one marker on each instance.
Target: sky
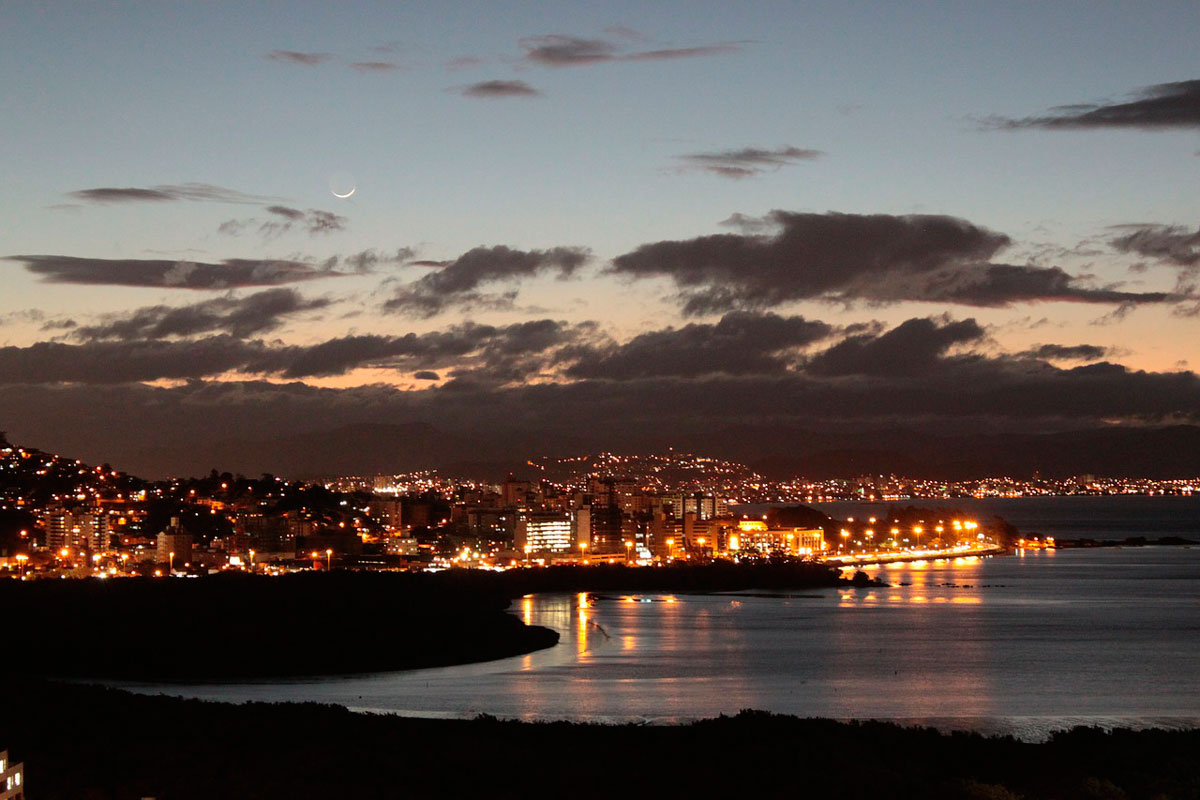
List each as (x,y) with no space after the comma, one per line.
(593,224)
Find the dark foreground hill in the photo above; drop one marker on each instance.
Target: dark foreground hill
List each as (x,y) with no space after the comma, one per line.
(88,743)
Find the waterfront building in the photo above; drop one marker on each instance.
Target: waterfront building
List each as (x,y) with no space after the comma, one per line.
(754,535)
(543,532)
(581,529)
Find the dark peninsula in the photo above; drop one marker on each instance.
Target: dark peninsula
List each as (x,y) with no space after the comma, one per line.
(235,626)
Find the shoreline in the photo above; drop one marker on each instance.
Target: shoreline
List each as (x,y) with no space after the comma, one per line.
(130,745)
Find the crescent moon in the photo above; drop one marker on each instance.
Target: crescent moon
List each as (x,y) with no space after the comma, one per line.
(344,196)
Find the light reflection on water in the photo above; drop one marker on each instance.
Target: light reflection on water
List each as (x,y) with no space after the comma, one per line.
(1021,644)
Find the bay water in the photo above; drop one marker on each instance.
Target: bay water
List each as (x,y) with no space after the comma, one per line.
(1021,644)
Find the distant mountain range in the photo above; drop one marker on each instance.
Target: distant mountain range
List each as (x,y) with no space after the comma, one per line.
(366,449)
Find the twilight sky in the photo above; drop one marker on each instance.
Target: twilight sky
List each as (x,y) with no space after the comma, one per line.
(606,224)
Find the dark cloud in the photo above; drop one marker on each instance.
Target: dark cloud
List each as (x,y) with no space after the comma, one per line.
(374,66)
(299,58)
(122,362)
(239,317)
(367,260)
(116,422)
(742,343)
(197,192)
(847,257)
(912,348)
(548,382)
(456,283)
(313,221)
(231,273)
(559,51)
(1165,105)
(59,325)
(137,348)
(489,89)
(1169,244)
(130,194)
(683,52)
(556,50)
(748,161)
(1076,352)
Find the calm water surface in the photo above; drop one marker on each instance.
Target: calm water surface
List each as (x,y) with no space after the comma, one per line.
(1021,644)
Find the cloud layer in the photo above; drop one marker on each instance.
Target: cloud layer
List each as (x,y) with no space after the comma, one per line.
(228,274)
(748,161)
(238,317)
(1164,105)
(498,89)
(457,282)
(196,192)
(557,50)
(847,257)
(284,219)
(1167,244)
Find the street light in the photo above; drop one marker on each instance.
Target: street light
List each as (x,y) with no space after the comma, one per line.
(252,560)
(329,559)
(171,558)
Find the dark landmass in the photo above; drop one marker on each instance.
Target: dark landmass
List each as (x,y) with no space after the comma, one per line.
(236,626)
(1129,541)
(776,452)
(89,743)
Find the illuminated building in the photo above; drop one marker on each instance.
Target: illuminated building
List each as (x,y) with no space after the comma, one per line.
(77,529)
(174,545)
(581,528)
(543,533)
(704,506)
(12,779)
(755,535)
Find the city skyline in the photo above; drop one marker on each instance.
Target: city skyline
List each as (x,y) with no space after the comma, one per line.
(242,222)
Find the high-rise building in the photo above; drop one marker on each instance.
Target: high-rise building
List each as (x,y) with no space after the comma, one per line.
(543,532)
(703,505)
(79,528)
(607,534)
